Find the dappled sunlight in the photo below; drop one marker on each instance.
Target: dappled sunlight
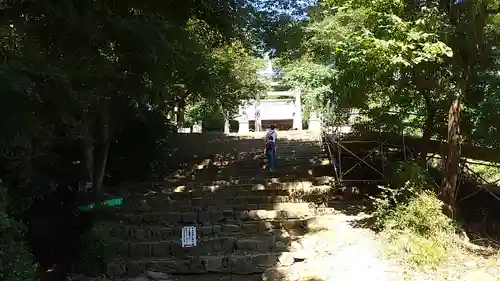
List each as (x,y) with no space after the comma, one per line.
(290,218)
(242,212)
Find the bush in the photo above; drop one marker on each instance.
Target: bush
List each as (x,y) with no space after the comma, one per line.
(16,261)
(422,215)
(410,204)
(410,216)
(418,231)
(97,251)
(408,180)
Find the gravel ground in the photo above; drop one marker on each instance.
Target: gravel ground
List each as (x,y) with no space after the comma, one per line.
(337,251)
(218,277)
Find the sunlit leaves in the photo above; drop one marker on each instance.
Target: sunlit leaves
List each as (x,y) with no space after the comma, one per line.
(313,80)
(233,78)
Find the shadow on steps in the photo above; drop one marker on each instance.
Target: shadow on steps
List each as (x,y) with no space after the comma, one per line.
(245,217)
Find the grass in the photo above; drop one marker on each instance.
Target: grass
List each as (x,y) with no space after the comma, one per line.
(416,251)
(417,232)
(427,245)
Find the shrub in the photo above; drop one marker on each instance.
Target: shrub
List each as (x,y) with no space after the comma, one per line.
(408,180)
(410,216)
(422,215)
(97,250)
(16,261)
(97,246)
(418,231)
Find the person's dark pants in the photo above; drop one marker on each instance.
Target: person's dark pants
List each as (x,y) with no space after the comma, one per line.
(270,158)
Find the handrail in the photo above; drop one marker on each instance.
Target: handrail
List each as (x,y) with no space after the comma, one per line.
(327,141)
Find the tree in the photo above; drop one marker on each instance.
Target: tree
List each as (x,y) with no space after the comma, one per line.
(314,82)
(77,65)
(416,58)
(232,76)
(280,25)
(79,77)
(469,19)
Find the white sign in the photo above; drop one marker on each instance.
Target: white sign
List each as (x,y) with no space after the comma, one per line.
(189,236)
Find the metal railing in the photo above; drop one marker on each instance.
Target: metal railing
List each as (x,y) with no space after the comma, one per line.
(336,148)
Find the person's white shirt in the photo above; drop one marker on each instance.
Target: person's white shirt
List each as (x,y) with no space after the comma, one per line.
(271,132)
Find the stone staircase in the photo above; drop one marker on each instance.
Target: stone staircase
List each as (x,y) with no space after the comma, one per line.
(245,216)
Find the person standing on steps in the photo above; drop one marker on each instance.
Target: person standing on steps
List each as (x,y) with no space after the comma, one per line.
(270,153)
(271,136)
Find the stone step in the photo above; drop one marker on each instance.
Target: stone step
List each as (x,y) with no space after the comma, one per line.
(249,190)
(233,183)
(258,177)
(290,155)
(157,233)
(236,263)
(280,168)
(248,197)
(204,246)
(255,154)
(252,148)
(184,201)
(290,158)
(205,204)
(264,177)
(283,144)
(229,214)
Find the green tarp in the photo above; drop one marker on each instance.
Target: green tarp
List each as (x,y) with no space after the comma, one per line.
(115,202)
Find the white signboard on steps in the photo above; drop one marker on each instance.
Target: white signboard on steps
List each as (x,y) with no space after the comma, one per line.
(189,236)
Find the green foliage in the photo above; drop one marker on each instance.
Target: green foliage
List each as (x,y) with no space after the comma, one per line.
(401,62)
(87,88)
(418,232)
(235,79)
(375,49)
(421,215)
(314,82)
(97,250)
(487,172)
(416,250)
(141,147)
(280,25)
(410,215)
(410,67)
(180,53)
(407,181)
(16,261)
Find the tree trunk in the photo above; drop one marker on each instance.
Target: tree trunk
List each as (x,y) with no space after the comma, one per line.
(85,184)
(87,156)
(102,151)
(258,121)
(448,190)
(180,114)
(227,127)
(428,129)
(452,160)
(87,163)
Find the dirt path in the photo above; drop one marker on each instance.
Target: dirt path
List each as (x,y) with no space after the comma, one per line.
(335,250)
(219,277)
